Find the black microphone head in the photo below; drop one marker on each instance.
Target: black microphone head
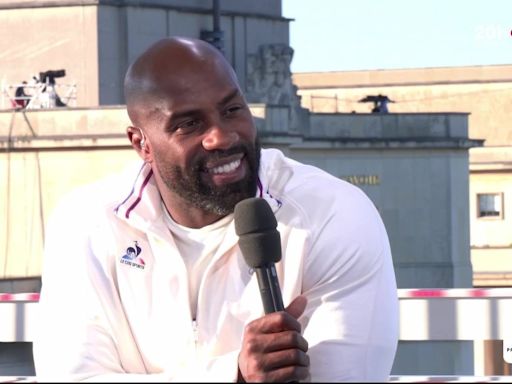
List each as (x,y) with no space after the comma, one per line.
(254,215)
(256,226)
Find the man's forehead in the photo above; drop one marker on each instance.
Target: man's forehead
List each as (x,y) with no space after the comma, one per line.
(175,75)
(195,102)
(158,107)
(201,101)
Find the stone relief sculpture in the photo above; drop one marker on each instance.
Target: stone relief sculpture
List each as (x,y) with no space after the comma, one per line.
(269,76)
(269,80)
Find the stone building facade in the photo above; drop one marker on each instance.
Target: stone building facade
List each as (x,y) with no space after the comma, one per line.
(485,93)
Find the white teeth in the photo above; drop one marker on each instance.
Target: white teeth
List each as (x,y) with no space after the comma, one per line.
(226,167)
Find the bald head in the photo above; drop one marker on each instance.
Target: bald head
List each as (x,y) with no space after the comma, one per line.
(170,68)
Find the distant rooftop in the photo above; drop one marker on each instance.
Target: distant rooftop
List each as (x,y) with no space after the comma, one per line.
(413,76)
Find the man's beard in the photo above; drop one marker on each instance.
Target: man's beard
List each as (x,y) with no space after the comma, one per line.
(220,200)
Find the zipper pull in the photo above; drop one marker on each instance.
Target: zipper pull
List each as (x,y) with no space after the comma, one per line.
(195,332)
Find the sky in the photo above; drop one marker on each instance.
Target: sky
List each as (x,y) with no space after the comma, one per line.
(346,35)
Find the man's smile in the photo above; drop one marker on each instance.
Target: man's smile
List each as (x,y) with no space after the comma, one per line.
(227,170)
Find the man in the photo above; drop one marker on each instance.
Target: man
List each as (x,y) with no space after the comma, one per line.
(21,99)
(185,306)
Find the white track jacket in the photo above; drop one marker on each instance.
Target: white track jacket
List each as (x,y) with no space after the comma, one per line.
(114,304)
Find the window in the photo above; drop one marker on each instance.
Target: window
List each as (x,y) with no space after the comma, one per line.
(490,205)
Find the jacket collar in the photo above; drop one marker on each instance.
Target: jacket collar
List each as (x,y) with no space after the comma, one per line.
(142,207)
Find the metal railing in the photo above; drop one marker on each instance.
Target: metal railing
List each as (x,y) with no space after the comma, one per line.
(39,95)
(425,314)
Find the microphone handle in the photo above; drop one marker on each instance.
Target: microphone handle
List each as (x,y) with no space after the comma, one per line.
(269,288)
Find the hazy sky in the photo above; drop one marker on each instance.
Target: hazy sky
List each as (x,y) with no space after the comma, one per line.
(341,35)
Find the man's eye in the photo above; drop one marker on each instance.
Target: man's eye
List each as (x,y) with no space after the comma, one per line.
(232,110)
(188,125)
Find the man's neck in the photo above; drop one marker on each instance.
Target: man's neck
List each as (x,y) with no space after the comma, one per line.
(184,213)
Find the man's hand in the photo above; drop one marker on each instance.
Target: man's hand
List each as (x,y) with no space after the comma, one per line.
(273,350)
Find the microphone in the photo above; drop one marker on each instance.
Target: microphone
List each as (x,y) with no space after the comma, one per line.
(260,242)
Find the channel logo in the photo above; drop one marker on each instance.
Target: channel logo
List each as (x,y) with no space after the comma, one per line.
(507,350)
(492,32)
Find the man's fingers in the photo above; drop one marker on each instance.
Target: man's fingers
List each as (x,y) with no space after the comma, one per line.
(280,366)
(287,340)
(280,321)
(287,358)
(273,348)
(273,323)
(297,306)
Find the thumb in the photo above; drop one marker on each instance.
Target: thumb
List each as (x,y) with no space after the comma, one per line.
(297,306)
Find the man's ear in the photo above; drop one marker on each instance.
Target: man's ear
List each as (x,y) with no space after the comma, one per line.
(139,142)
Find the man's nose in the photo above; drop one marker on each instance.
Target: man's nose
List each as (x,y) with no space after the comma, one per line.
(219,137)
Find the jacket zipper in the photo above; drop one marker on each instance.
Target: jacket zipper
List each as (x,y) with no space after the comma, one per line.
(195,332)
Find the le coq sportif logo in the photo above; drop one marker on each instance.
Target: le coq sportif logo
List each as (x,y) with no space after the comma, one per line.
(132,257)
